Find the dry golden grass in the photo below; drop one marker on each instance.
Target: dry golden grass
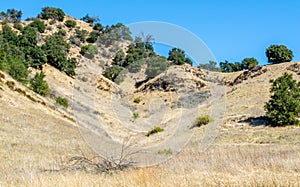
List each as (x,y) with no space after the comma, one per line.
(36,142)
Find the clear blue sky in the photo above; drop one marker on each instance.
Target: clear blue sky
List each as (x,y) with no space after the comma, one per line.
(231,29)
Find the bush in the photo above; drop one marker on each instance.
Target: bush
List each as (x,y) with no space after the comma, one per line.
(98,27)
(93,37)
(202,120)
(17,69)
(39,85)
(278,54)
(61,32)
(89,51)
(62,101)
(137,100)
(135,115)
(52,13)
(154,131)
(18,26)
(284,106)
(39,25)
(156,66)
(81,34)
(115,73)
(119,58)
(70,23)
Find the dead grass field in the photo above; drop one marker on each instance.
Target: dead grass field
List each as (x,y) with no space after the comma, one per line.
(36,142)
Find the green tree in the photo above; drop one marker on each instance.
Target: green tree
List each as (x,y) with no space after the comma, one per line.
(17,69)
(249,63)
(211,66)
(230,67)
(89,19)
(284,106)
(39,85)
(89,51)
(11,16)
(278,54)
(52,13)
(177,56)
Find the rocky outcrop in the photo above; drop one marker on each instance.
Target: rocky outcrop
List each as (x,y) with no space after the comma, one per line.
(249,74)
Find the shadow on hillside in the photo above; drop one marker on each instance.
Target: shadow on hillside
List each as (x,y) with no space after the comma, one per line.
(256,121)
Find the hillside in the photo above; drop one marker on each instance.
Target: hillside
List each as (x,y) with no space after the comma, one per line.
(39,137)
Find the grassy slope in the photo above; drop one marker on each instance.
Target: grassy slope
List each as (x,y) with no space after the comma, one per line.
(35,138)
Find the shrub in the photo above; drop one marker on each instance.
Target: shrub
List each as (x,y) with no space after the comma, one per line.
(52,13)
(61,32)
(156,66)
(165,151)
(284,106)
(119,58)
(115,73)
(62,101)
(39,25)
(98,27)
(39,85)
(278,54)
(89,51)
(93,37)
(135,115)
(202,120)
(18,26)
(70,23)
(18,70)
(137,100)
(81,34)
(154,131)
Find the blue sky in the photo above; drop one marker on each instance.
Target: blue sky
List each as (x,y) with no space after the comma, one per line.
(231,29)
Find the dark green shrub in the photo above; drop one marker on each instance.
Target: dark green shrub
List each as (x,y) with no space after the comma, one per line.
(70,23)
(39,85)
(39,25)
(284,106)
(119,58)
(93,37)
(98,27)
(249,63)
(89,51)
(154,131)
(17,69)
(115,73)
(61,32)
(62,101)
(278,54)
(177,56)
(18,26)
(52,13)
(202,120)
